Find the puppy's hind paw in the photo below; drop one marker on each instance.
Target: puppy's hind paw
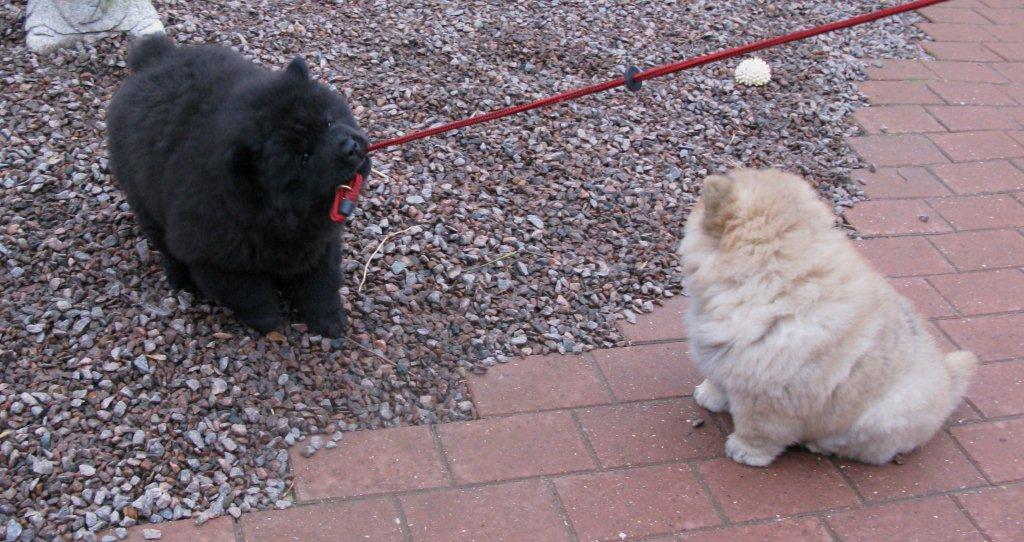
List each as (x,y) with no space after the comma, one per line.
(743,453)
(710,397)
(263,323)
(331,326)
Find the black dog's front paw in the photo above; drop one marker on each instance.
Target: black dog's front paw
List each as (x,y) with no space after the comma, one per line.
(178,276)
(263,322)
(332,326)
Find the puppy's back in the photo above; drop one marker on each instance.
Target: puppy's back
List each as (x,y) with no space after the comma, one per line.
(149,50)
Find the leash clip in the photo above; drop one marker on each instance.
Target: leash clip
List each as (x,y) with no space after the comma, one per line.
(345,197)
(630,77)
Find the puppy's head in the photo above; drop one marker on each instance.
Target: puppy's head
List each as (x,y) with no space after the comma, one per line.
(298,141)
(748,207)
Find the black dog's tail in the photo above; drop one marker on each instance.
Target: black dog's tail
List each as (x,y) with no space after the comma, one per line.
(149,49)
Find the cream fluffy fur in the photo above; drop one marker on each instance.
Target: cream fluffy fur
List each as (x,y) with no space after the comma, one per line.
(798,337)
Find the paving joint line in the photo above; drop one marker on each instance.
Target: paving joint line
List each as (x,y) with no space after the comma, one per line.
(446,466)
(717,506)
(970,458)
(570,529)
(846,478)
(963,510)
(655,401)
(596,367)
(823,520)
(586,441)
(403,521)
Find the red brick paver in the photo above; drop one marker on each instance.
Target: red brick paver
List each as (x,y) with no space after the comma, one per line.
(963,118)
(607,445)
(898,119)
(664,324)
(791,530)
(514,447)
(950,50)
(356,521)
(999,511)
(897,70)
(186,530)
(980,177)
(540,383)
(908,182)
(365,463)
(976,72)
(996,446)
(643,433)
(957,32)
(904,256)
(924,296)
(981,212)
(637,502)
(896,217)
(983,292)
(990,337)
(899,92)
(513,512)
(998,389)
(649,372)
(970,93)
(931,520)
(938,466)
(796,483)
(898,150)
(943,14)
(980,145)
(982,249)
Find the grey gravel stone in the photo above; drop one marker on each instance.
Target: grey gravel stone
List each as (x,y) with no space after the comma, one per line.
(41,465)
(13,530)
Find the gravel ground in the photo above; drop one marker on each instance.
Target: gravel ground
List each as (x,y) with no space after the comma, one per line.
(122,403)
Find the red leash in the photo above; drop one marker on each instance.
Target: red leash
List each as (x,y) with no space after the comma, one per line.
(632,80)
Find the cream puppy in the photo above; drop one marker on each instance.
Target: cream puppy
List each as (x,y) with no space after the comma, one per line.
(800,340)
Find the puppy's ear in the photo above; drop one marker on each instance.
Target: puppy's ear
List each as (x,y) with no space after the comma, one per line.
(297,68)
(719,198)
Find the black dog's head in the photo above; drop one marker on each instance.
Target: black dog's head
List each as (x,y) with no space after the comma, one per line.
(300,142)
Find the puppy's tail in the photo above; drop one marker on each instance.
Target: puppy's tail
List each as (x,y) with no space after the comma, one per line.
(147,50)
(961,365)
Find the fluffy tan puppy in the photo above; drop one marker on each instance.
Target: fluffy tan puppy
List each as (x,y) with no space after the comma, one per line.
(800,340)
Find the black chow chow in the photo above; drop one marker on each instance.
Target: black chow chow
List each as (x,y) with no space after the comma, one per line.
(230,170)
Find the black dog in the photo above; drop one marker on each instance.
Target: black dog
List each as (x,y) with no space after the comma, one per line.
(231,170)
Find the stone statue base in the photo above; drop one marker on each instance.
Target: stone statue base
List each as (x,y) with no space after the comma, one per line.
(52,24)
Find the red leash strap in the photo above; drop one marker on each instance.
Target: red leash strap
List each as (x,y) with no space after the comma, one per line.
(652,73)
(345,197)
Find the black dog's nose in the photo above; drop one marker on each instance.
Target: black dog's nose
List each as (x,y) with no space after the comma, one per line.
(349,148)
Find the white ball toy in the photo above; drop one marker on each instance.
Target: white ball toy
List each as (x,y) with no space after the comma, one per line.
(753,71)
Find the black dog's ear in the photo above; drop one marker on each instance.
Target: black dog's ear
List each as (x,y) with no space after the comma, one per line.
(298,68)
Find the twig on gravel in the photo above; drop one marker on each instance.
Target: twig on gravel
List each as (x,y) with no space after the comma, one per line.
(504,256)
(366,266)
(369,351)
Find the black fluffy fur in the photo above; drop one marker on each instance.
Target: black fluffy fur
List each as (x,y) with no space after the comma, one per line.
(230,170)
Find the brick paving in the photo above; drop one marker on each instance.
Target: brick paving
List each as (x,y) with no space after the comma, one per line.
(609,445)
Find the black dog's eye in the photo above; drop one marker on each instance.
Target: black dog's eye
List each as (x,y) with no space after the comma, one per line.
(305,158)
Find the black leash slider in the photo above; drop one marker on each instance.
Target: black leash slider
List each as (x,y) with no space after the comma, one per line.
(630,76)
